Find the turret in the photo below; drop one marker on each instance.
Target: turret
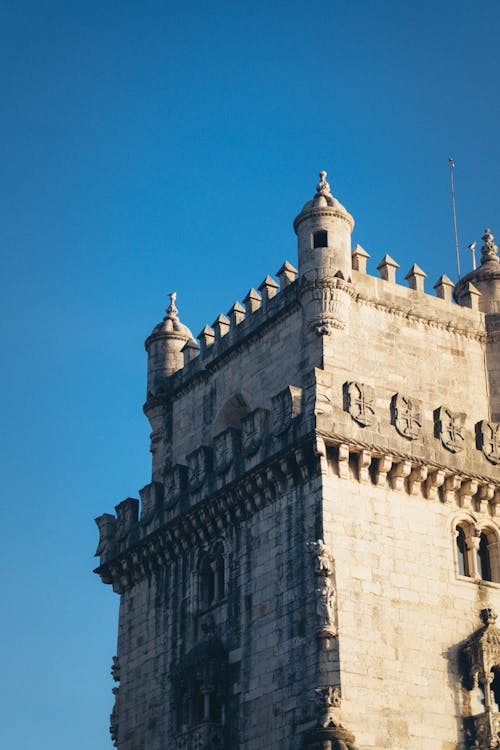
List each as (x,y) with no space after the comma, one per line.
(164,347)
(324,229)
(486,279)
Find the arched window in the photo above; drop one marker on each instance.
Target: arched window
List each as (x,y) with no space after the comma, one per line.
(477,552)
(462,553)
(483,559)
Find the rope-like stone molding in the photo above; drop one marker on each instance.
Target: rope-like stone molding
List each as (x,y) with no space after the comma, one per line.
(413,317)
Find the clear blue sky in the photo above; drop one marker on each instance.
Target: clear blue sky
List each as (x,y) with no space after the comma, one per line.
(151,146)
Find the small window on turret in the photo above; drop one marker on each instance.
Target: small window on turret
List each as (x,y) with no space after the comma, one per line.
(320,238)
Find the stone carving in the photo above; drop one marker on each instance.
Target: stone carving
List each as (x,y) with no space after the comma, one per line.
(286,406)
(107,530)
(327,699)
(449,427)
(199,466)
(175,481)
(406,415)
(323,557)
(488,440)
(329,732)
(226,446)
(481,655)
(323,188)
(325,590)
(253,429)
(489,251)
(359,401)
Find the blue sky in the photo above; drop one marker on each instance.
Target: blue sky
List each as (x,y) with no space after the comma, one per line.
(154,146)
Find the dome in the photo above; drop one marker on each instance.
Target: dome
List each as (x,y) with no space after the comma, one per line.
(323,199)
(170,326)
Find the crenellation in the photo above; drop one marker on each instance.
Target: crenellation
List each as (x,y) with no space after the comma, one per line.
(286,275)
(252,301)
(416,278)
(444,288)
(387,268)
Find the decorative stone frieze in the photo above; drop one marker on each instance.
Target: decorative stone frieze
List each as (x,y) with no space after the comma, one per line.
(253,429)
(406,415)
(199,466)
(488,440)
(327,302)
(359,401)
(286,406)
(449,428)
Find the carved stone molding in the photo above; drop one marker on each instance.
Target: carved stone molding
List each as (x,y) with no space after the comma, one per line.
(175,481)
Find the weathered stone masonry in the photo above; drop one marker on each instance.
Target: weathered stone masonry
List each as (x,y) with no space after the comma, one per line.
(315,564)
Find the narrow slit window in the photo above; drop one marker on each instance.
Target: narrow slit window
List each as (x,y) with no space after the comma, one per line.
(483,559)
(320,238)
(462,553)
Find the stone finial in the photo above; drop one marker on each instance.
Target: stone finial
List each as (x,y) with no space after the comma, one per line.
(286,274)
(172,309)
(469,296)
(206,338)
(236,314)
(220,326)
(359,258)
(190,350)
(323,188)
(252,301)
(415,278)
(387,268)
(444,288)
(268,288)
(489,251)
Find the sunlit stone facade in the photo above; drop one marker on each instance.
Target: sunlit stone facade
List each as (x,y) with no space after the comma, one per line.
(315,564)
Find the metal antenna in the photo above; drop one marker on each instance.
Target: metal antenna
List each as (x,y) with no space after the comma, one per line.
(452,166)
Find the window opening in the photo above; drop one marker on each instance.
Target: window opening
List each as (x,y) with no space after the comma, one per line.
(320,238)
(483,559)
(462,553)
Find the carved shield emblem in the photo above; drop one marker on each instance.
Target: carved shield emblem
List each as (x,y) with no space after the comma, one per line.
(406,413)
(286,406)
(488,440)
(199,466)
(450,427)
(359,401)
(253,428)
(175,483)
(226,445)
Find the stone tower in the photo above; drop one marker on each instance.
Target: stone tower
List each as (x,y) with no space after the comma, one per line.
(315,564)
